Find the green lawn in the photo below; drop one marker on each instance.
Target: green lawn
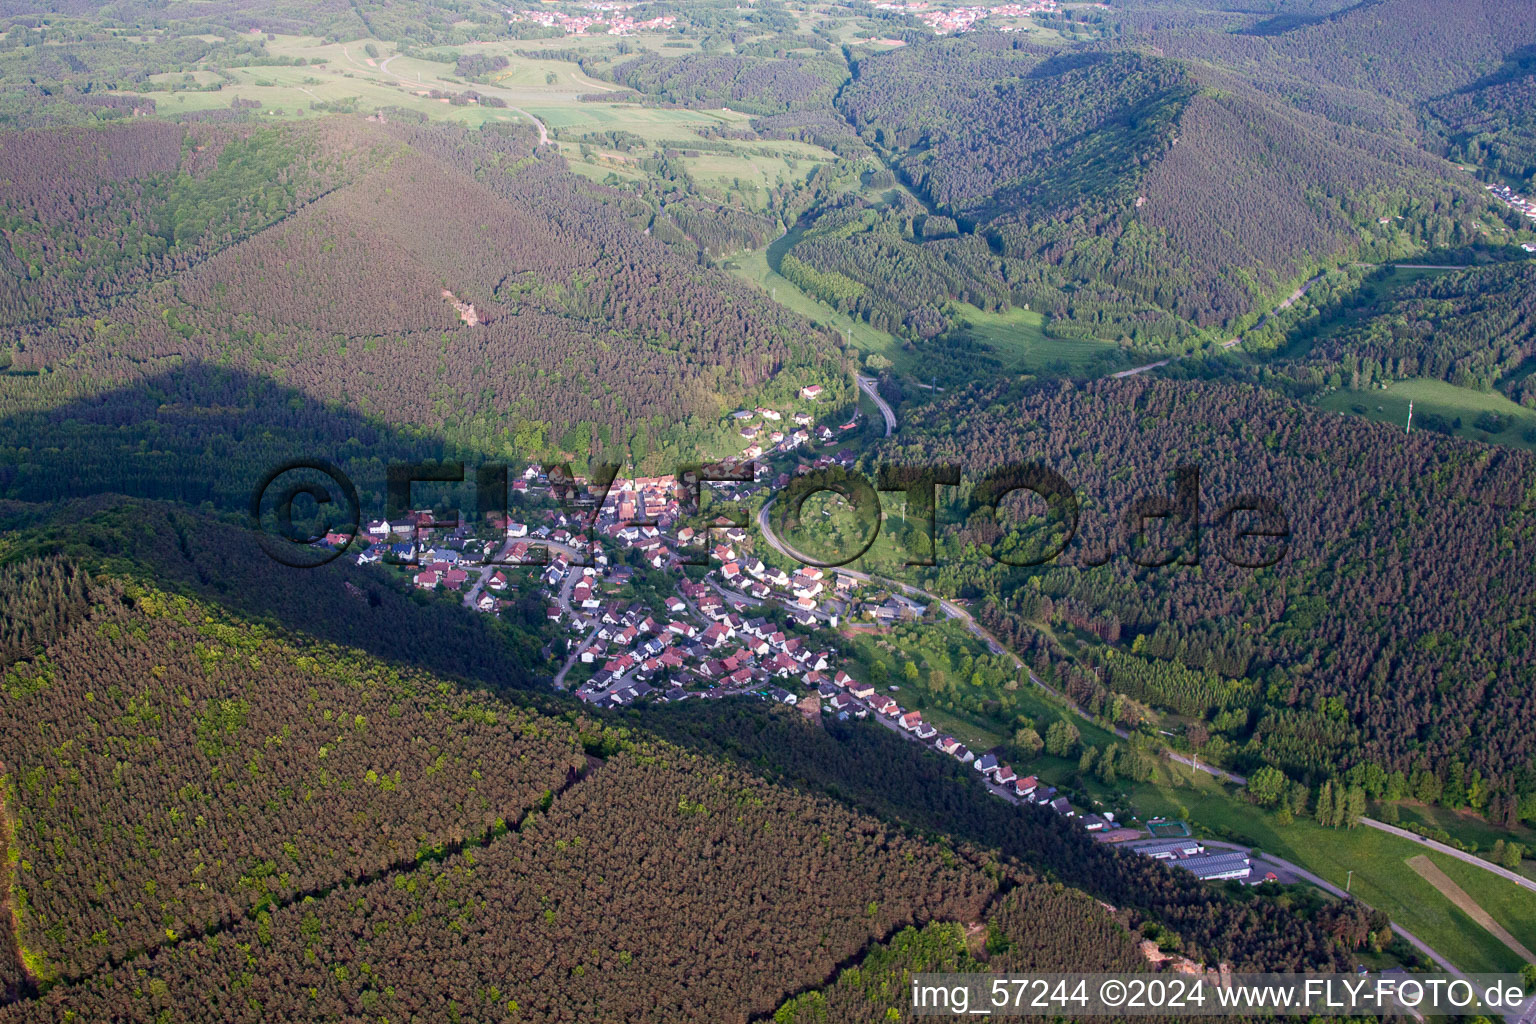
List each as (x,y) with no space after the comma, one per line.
(1019,339)
(1390,405)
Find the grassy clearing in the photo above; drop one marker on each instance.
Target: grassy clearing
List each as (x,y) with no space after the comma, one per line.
(1467,904)
(1390,405)
(1019,339)
(757,267)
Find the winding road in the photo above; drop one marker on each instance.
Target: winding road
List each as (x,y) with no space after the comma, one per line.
(868,386)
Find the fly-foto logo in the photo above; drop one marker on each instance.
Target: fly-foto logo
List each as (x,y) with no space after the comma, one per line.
(1157,529)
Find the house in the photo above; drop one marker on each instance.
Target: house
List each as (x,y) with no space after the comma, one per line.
(947,745)
(1026,787)
(769,414)
(517,529)
(963,755)
(986,764)
(1061,806)
(911,720)
(1529,246)
(840,702)
(811,392)
(1004,775)
(1095,823)
(924,731)
(882,705)
(863,691)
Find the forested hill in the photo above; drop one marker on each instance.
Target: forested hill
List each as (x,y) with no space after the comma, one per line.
(235,814)
(1408,50)
(1128,195)
(585,336)
(1389,636)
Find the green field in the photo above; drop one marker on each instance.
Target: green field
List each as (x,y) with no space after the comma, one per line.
(1378,860)
(1018,337)
(757,266)
(1390,405)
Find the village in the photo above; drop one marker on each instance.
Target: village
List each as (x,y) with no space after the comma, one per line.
(1515,201)
(654,602)
(953,20)
(599,18)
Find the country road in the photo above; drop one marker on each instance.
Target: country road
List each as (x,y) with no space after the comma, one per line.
(1289,301)
(1273,862)
(867,385)
(954,611)
(384,67)
(1451,851)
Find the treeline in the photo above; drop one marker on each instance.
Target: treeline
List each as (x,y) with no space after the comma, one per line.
(754,84)
(1387,633)
(171,768)
(867,767)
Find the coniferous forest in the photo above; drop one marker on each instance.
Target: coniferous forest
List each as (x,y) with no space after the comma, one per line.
(1243,292)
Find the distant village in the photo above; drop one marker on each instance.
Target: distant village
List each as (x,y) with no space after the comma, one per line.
(650,609)
(610,18)
(951,20)
(1515,201)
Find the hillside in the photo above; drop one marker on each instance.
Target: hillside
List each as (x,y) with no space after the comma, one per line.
(1129,196)
(569,345)
(1384,638)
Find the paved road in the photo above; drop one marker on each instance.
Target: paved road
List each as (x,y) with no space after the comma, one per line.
(1451,851)
(867,385)
(1281,865)
(954,611)
(1290,301)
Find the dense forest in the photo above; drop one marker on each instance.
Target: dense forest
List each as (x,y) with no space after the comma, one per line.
(863,764)
(757,86)
(1472,328)
(1386,634)
(586,336)
(189,805)
(1131,196)
(170,768)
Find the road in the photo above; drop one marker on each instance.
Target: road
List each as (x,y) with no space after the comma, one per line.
(954,611)
(867,385)
(1282,866)
(384,67)
(1290,301)
(1451,851)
